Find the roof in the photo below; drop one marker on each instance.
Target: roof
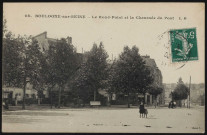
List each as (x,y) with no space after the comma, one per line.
(52,39)
(103,92)
(44,33)
(149,62)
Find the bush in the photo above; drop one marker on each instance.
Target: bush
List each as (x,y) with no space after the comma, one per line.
(103,100)
(181,92)
(118,102)
(29,101)
(45,101)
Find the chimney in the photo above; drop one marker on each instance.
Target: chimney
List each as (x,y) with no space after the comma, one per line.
(45,33)
(147,56)
(69,40)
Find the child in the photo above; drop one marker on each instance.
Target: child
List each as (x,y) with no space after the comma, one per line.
(141,109)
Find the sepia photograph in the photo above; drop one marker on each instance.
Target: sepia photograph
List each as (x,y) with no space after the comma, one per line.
(100,67)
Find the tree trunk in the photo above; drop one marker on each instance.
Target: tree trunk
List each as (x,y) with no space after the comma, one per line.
(155,101)
(94,98)
(24,91)
(50,99)
(59,97)
(109,102)
(15,100)
(51,94)
(144,98)
(25,82)
(128,105)
(38,101)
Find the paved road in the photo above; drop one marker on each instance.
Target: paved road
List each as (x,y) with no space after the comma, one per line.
(162,120)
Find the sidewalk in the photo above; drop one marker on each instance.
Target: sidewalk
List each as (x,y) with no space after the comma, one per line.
(47,107)
(30,107)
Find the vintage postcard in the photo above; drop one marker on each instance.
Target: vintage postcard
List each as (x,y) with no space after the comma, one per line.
(103,67)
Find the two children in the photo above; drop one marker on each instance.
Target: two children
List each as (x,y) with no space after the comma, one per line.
(142,111)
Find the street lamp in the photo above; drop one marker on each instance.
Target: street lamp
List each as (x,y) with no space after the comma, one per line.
(189,91)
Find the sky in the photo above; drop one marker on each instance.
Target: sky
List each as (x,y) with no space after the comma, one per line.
(149,35)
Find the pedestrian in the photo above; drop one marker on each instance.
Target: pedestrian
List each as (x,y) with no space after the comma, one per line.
(15,103)
(174,104)
(169,106)
(3,104)
(6,105)
(141,109)
(155,104)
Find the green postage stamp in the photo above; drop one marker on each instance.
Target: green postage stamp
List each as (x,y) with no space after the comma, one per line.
(183,45)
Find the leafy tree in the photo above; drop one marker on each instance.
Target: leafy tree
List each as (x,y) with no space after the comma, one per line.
(37,67)
(62,63)
(111,82)
(50,69)
(4,27)
(31,65)
(181,91)
(130,73)
(21,62)
(97,66)
(11,61)
(92,74)
(155,91)
(80,84)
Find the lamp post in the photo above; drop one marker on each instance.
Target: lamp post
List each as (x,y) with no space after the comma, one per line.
(189,92)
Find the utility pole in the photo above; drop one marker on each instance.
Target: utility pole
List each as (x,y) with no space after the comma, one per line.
(189,91)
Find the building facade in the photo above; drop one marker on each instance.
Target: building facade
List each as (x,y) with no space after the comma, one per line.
(168,88)
(157,75)
(15,95)
(44,41)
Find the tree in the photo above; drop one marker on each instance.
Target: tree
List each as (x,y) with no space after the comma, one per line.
(31,65)
(37,67)
(92,74)
(110,82)
(181,91)
(11,61)
(22,61)
(155,91)
(130,73)
(23,65)
(61,59)
(50,72)
(4,27)
(80,85)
